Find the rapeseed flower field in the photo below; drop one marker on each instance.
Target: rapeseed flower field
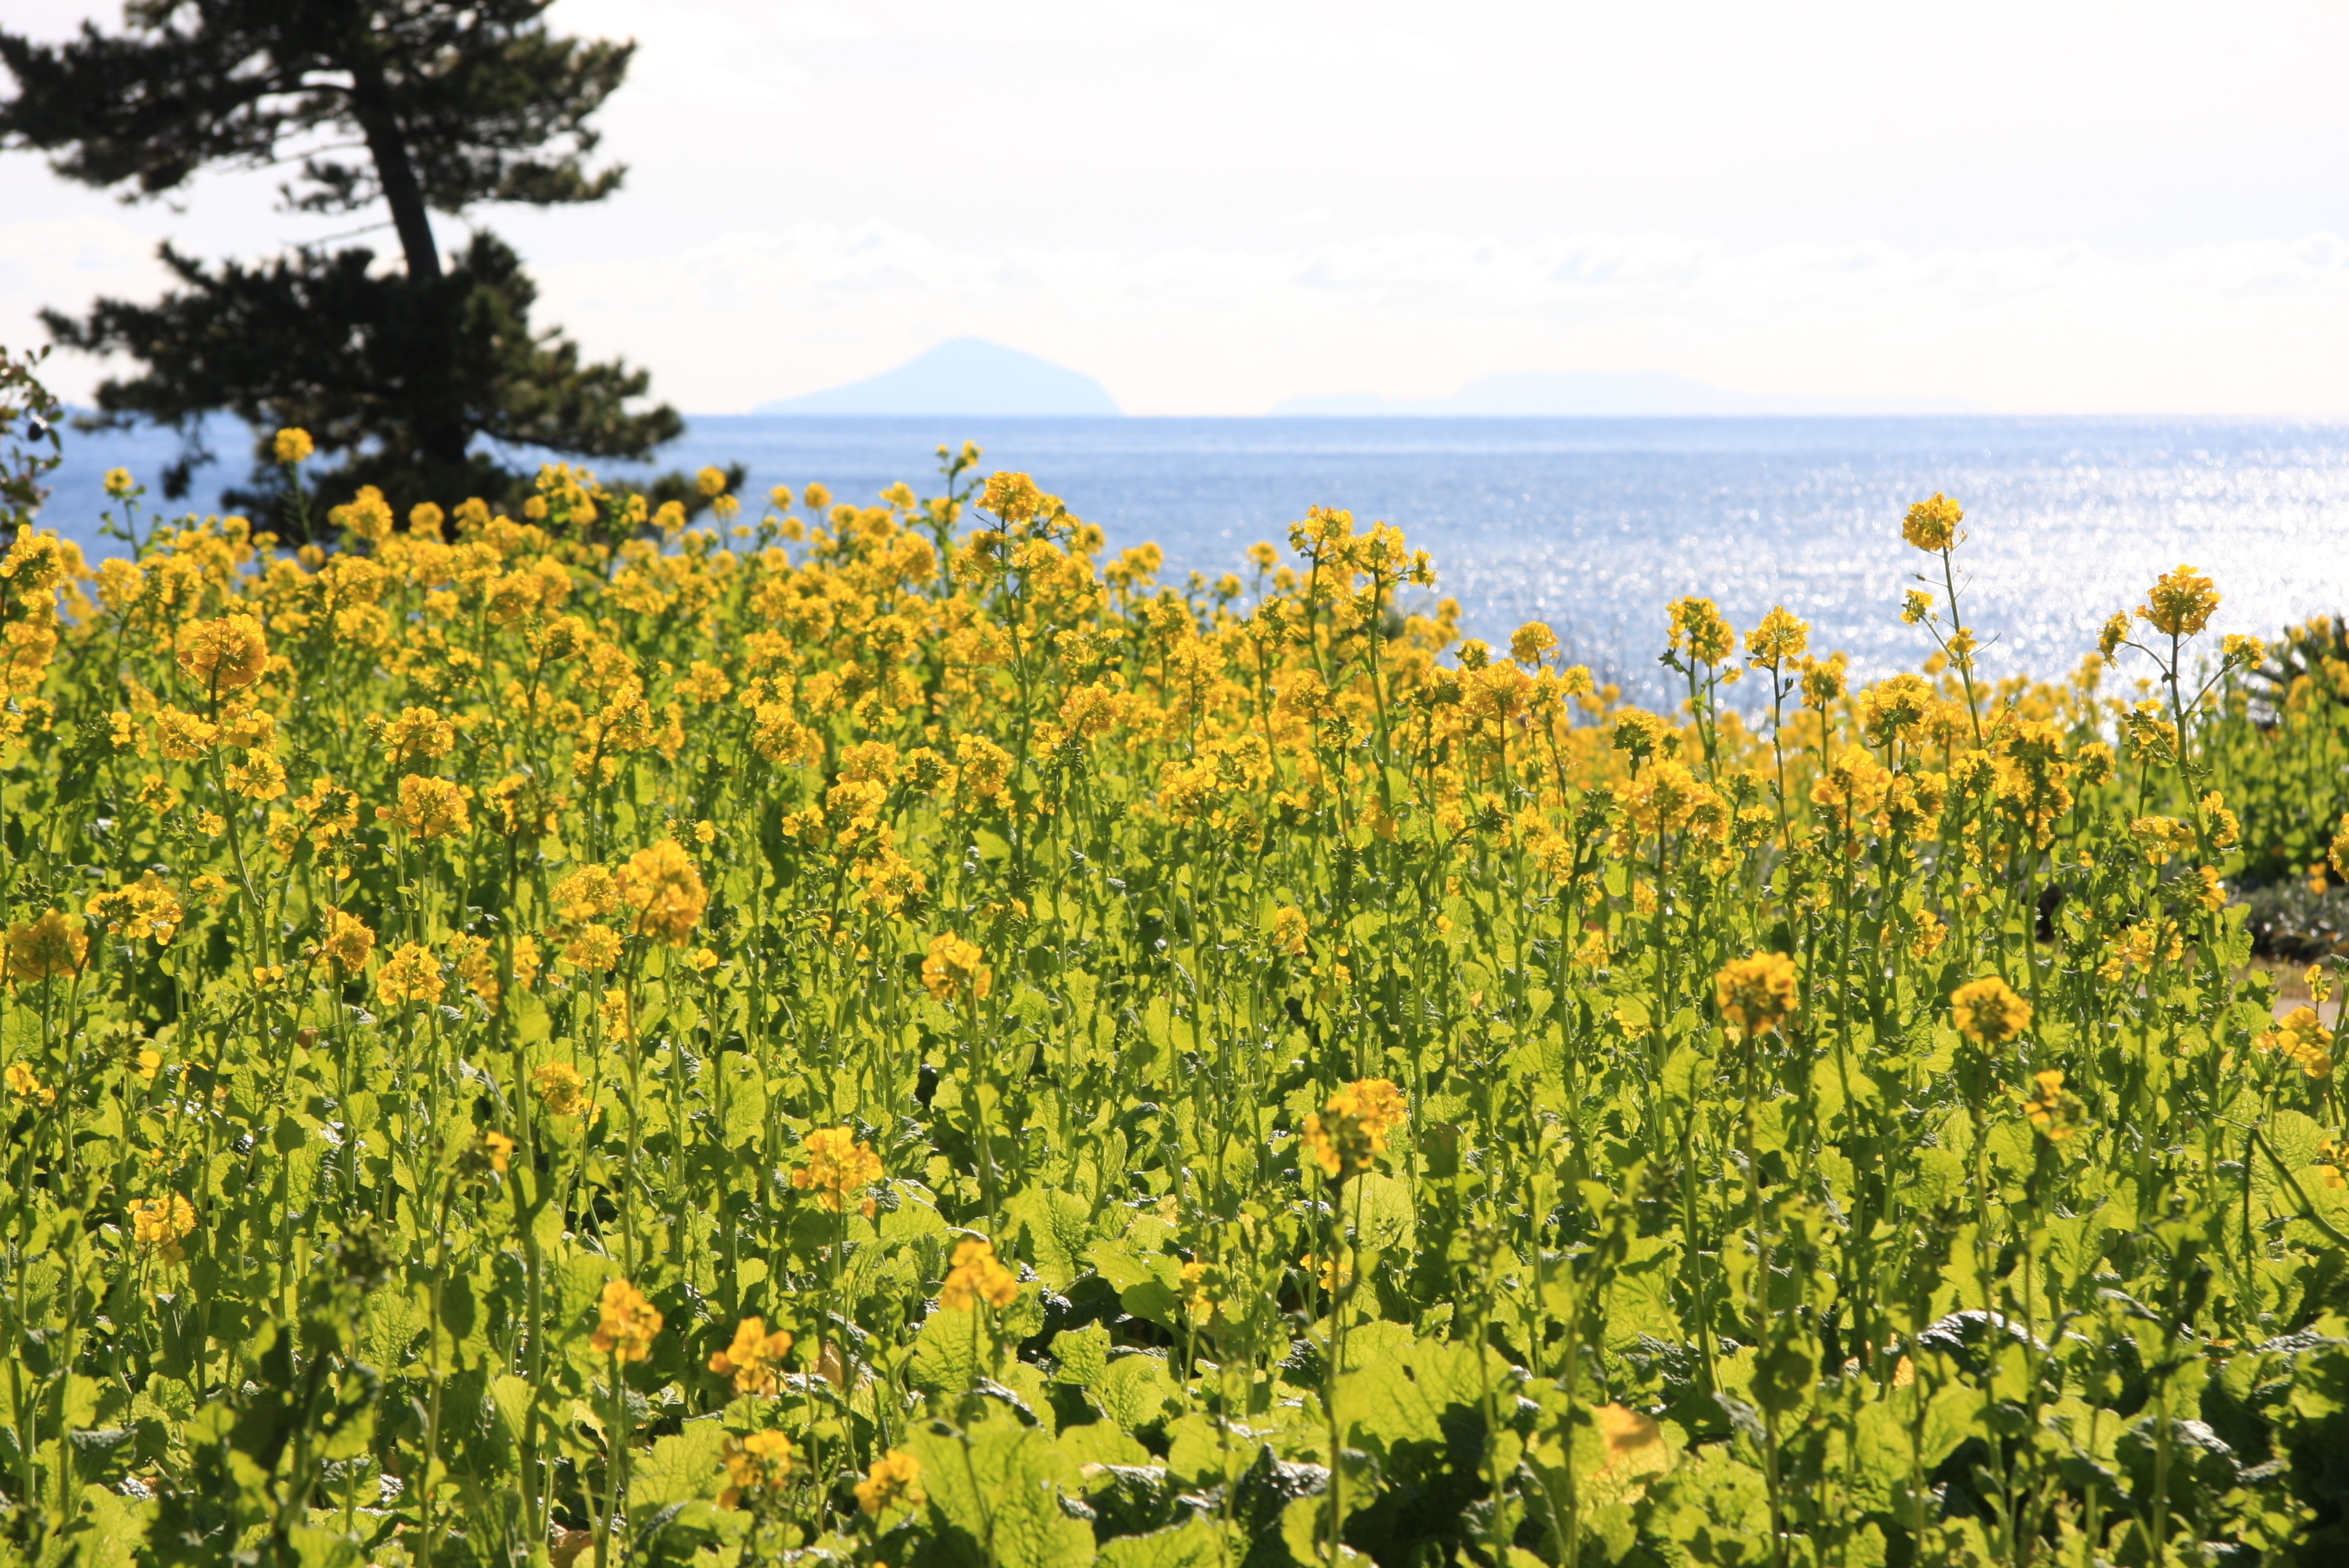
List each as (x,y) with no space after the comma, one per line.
(888,1035)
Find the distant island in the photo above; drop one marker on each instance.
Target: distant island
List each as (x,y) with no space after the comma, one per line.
(961,376)
(1631,392)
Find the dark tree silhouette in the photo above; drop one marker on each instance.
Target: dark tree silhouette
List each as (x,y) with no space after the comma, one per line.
(420,105)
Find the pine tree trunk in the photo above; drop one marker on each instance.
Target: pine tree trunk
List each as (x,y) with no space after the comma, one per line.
(436,419)
(387,145)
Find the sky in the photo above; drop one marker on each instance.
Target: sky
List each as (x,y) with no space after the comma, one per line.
(2050,206)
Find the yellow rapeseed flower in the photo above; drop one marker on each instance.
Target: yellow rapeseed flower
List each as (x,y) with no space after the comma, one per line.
(412,973)
(1332,1273)
(2115,632)
(755,1359)
(1530,642)
(1351,1130)
(1782,638)
(1012,497)
(366,515)
(430,808)
(1931,524)
(625,1322)
(1931,934)
(119,482)
(955,968)
(1289,930)
(894,1481)
(2301,1036)
(593,948)
(163,1223)
(47,947)
(838,1167)
(347,942)
(2181,602)
(1988,1012)
(225,654)
(416,735)
(755,1465)
(2053,1110)
(25,1084)
(588,893)
(500,1148)
(292,444)
(976,1275)
(1204,1287)
(1757,992)
(618,1013)
(1642,734)
(1699,626)
(561,1089)
(665,888)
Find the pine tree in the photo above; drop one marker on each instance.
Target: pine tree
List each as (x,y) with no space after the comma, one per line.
(453,104)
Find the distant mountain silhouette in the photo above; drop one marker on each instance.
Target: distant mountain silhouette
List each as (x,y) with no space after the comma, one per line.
(962,375)
(1571,392)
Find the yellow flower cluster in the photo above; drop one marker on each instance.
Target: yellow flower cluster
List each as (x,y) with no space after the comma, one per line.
(722,837)
(838,1168)
(626,1323)
(755,1359)
(48,948)
(1352,1129)
(1931,524)
(163,1223)
(562,1090)
(2056,1111)
(1757,992)
(2300,1038)
(756,1465)
(2181,602)
(894,1481)
(664,888)
(976,1275)
(956,969)
(1988,1012)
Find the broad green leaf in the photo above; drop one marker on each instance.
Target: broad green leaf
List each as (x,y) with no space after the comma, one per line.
(1134,1391)
(681,1467)
(998,1488)
(1199,1542)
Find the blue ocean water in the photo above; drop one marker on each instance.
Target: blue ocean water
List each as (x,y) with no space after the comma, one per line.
(1595,524)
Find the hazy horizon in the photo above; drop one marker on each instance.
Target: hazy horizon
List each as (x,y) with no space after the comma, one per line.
(2048,207)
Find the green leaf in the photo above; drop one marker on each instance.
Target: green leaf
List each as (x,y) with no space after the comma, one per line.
(509,1397)
(915,1214)
(116,1528)
(952,1348)
(1083,1355)
(679,1469)
(1384,1217)
(1782,1379)
(1394,1401)
(1056,1228)
(998,1488)
(1199,1542)
(1100,1443)
(746,1102)
(1134,1391)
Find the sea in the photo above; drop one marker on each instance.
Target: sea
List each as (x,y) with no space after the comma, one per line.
(1593,525)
